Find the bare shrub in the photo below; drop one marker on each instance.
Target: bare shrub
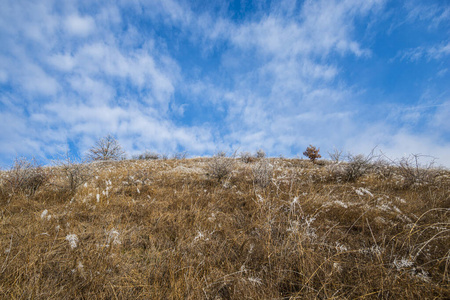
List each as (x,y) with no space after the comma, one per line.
(414,172)
(260,153)
(312,153)
(358,165)
(337,171)
(221,154)
(180,155)
(246,157)
(335,155)
(262,173)
(107,148)
(147,155)
(382,168)
(26,176)
(220,166)
(74,172)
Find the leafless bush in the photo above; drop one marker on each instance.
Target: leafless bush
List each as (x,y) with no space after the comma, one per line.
(147,155)
(260,153)
(246,157)
(73,171)
(180,155)
(220,166)
(26,176)
(415,172)
(358,165)
(382,168)
(262,173)
(335,155)
(337,171)
(107,148)
(221,154)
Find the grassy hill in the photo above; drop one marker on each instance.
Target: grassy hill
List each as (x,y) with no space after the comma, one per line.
(266,229)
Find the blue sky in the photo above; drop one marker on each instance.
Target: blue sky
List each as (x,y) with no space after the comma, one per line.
(202,76)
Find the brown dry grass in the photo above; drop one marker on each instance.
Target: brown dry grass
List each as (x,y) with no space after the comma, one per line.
(163,229)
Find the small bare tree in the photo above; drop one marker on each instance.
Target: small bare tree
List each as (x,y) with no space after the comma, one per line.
(107,148)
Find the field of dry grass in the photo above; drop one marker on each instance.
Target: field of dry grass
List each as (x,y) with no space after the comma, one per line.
(164,229)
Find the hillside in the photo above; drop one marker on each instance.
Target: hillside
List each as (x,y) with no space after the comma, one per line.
(271,229)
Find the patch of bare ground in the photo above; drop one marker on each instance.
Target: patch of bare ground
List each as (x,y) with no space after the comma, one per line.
(167,229)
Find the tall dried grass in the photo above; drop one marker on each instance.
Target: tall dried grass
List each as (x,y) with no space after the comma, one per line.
(164,229)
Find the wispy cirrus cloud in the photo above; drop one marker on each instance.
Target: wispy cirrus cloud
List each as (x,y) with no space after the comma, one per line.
(289,86)
(432,52)
(175,75)
(429,11)
(84,81)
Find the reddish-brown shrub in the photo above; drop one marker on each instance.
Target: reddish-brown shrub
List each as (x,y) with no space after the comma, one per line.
(312,153)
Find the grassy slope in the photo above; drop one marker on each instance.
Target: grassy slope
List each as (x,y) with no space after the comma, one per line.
(164,230)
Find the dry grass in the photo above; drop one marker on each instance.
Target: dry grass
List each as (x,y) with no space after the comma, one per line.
(163,229)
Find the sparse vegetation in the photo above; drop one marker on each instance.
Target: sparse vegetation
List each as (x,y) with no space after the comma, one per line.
(357,166)
(180,155)
(147,155)
(220,166)
(262,173)
(312,153)
(335,155)
(74,173)
(107,148)
(246,157)
(25,176)
(414,172)
(260,153)
(278,229)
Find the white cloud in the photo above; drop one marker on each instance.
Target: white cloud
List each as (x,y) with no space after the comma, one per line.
(291,85)
(431,52)
(89,97)
(403,144)
(133,127)
(92,90)
(274,80)
(30,21)
(441,119)
(3,76)
(432,13)
(62,62)
(329,24)
(438,52)
(35,80)
(139,66)
(422,131)
(80,26)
